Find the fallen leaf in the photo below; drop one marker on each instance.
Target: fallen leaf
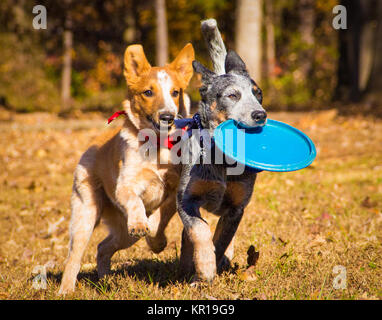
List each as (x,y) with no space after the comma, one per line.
(253,256)
(248,274)
(32,185)
(317,241)
(366,203)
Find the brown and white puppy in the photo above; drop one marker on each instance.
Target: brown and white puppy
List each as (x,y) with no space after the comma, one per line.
(132,194)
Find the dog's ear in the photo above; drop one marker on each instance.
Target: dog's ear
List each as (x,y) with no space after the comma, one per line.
(207,74)
(135,63)
(234,64)
(182,64)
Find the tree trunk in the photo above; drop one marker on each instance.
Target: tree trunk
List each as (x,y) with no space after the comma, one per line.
(248,35)
(360,62)
(161,34)
(306,29)
(375,81)
(67,70)
(270,42)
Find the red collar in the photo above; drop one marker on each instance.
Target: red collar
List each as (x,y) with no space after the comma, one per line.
(167,143)
(115,115)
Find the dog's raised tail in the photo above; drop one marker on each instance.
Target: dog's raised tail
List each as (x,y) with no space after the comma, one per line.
(215,44)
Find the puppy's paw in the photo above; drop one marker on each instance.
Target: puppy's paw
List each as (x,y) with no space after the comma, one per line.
(224,265)
(157,243)
(138,229)
(198,282)
(65,289)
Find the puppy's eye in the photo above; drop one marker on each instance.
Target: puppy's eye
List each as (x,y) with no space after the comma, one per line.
(148,93)
(175,93)
(233,96)
(258,94)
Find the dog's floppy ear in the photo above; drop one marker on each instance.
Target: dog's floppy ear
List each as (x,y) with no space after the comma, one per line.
(182,64)
(234,64)
(207,74)
(135,63)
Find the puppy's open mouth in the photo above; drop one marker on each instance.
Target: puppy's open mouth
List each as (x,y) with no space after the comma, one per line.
(161,125)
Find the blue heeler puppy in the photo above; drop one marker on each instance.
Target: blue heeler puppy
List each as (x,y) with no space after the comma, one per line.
(228,93)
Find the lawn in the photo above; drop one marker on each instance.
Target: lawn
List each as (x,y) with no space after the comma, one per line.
(303,224)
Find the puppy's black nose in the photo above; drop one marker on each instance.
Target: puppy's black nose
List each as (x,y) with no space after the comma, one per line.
(167,117)
(259,116)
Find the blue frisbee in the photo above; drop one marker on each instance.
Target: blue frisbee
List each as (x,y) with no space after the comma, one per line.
(276,146)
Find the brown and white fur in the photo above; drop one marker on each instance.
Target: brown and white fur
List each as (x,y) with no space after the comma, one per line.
(114,182)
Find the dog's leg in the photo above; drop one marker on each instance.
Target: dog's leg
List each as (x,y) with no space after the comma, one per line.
(186,265)
(197,234)
(133,209)
(225,262)
(224,237)
(195,191)
(117,239)
(158,222)
(238,194)
(86,205)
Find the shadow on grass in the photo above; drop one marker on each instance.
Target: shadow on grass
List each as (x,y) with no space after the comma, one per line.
(157,272)
(151,271)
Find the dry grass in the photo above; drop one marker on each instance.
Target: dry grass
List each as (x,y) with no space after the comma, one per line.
(303,223)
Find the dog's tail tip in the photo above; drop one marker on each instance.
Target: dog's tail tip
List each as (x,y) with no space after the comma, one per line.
(209,24)
(215,44)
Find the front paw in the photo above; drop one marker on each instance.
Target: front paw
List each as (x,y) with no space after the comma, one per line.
(224,265)
(205,265)
(157,243)
(138,229)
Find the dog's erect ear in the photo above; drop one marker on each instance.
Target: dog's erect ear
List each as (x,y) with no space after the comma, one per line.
(234,64)
(182,64)
(207,74)
(135,63)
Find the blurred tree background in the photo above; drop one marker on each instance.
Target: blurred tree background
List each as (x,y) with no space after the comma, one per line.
(290,47)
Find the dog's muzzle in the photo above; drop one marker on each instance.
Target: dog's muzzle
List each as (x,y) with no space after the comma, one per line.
(167,118)
(259,116)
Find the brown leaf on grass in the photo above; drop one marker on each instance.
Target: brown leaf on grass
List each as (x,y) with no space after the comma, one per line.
(367,203)
(249,274)
(316,242)
(253,256)
(32,185)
